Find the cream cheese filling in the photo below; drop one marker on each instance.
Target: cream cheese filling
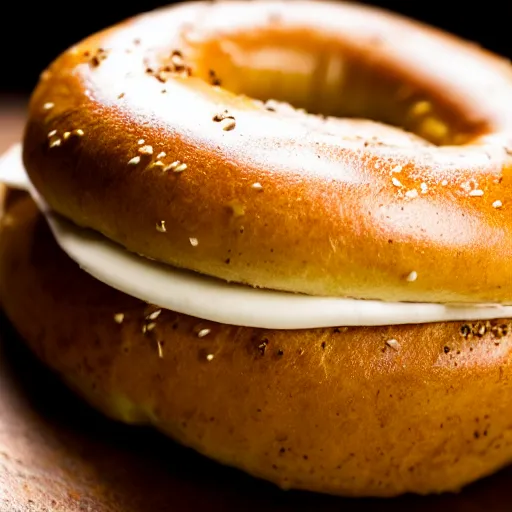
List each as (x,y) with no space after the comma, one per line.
(215,300)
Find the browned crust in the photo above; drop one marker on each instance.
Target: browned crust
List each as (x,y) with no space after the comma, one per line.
(329,218)
(334,410)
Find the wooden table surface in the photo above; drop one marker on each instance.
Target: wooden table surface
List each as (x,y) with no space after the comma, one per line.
(56,454)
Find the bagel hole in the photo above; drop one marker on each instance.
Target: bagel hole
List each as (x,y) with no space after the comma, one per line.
(332,77)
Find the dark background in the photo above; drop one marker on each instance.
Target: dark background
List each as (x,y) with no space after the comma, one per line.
(32,34)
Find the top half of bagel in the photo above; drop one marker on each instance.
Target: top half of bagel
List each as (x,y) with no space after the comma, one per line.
(157,133)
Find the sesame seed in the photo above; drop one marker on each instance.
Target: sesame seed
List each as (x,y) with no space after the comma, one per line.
(161,76)
(140,142)
(160,349)
(412,276)
(48,105)
(146,150)
(226,120)
(134,161)
(157,163)
(396,182)
(194,242)
(176,166)
(228,124)
(397,168)
(55,143)
(424,188)
(210,357)
(162,154)
(393,344)
(52,134)
(411,194)
(154,315)
(444,183)
(222,115)
(75,133)
(119,318)
(177,60)
(160,226)
(257,186)
(476,193)
(497,204)
(203,332)
(150,326)
(120,96)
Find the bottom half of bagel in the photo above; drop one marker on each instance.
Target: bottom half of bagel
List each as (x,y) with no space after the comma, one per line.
(352,411)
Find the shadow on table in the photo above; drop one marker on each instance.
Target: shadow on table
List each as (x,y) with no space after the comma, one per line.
(57,452)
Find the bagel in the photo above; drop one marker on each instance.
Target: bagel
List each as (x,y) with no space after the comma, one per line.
(174,135)
(128,134)
(356,411)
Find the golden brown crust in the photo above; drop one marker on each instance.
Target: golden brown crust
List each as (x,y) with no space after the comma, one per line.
(344,411)
(286,201)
